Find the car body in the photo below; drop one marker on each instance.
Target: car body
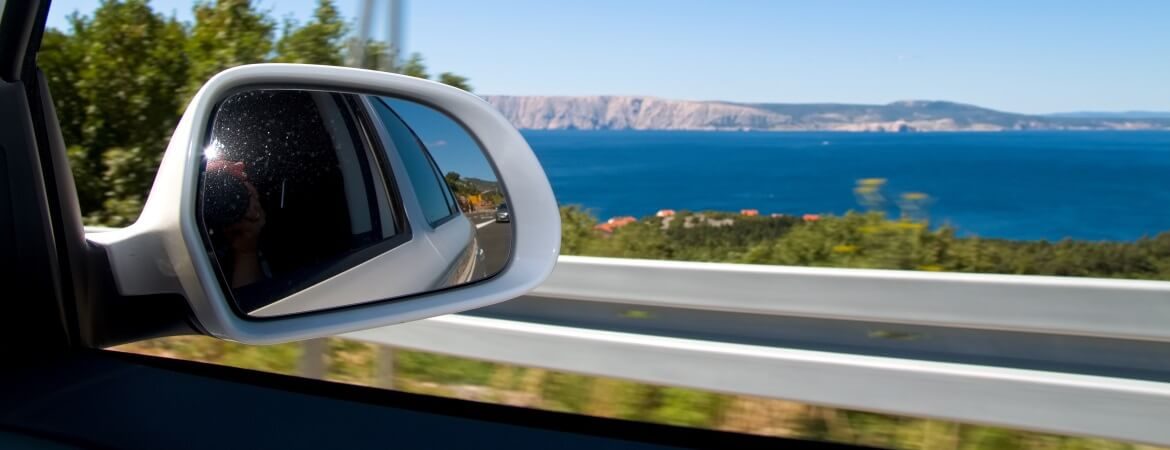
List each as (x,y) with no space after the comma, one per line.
(452,237)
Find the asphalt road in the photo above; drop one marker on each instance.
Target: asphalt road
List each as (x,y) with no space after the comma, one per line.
(495,239)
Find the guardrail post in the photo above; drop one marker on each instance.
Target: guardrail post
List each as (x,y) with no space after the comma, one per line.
(384,367)
(312,363)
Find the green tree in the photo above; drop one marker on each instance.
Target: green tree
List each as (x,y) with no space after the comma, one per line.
(451,79)
(226,33)
(61,58)
(121,77)
(375,55)
(855,240)
(869,193)
(642,239)
(378,56)
(414,67)
(577,232)
(320,41)
(913,206)
(114,78)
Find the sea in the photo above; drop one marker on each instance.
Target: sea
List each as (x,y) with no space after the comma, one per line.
(1084,185)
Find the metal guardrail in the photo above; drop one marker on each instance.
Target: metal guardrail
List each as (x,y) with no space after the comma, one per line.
(1109,308)
(1076,356)
(1063,355)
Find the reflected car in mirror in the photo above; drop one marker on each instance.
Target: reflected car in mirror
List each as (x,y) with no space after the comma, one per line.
(502,213)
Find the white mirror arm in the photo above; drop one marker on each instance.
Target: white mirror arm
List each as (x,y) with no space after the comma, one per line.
(139,260)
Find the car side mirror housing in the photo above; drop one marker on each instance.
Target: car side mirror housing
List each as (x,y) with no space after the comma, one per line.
(300,201)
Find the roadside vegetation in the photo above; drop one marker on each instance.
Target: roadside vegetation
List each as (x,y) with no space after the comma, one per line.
(474,194)
(858,240)
(355,362)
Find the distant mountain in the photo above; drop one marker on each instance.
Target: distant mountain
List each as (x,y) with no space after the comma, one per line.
(651,113)
(1131,115)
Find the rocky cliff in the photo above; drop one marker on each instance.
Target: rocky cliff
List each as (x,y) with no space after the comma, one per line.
(650,113)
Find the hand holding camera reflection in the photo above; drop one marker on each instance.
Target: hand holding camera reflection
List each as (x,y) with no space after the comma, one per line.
(236,212)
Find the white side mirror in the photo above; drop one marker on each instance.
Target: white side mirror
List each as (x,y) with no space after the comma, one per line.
(300,201)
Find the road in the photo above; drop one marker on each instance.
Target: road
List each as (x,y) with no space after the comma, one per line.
(495,239)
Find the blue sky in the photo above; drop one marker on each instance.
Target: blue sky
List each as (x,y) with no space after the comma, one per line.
(449,144)
(1026,56)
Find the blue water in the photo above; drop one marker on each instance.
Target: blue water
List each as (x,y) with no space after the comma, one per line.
(1018,185)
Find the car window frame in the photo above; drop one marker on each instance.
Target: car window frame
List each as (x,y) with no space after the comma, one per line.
(448,197)
(446,187)
(370,181)
(369,135)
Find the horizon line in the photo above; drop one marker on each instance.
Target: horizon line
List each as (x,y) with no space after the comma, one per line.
(1089,110)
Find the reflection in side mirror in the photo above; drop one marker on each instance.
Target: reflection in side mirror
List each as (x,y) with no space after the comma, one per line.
(301,187)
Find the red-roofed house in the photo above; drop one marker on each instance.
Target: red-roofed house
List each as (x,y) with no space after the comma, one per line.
(615,222)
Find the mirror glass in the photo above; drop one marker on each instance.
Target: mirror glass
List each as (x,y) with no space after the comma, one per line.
(304,188)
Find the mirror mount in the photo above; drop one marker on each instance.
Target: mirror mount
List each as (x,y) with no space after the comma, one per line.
(164,252)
